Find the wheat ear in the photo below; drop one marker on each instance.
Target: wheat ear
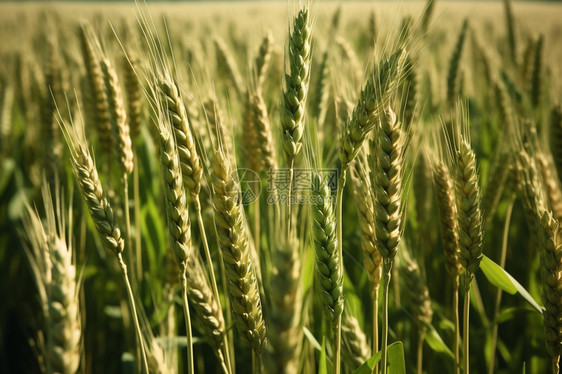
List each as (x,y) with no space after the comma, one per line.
(355,348)
(179,226)
(556,137)
(537,73)
(98,91)
(85,171)
(243,287)
(445,193)
(453,76)
(263,132)
(133,88)
(226,61)
(263,59)
(551,270)
(369,106)
(51,259)
(296,86)
(387,151)
(329,263)
(372,259)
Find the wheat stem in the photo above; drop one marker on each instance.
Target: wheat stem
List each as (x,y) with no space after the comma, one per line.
(136,198)
(387,270)
(339,200)
(376,325)
(213,279)
(457,323)
(499,291)
(131,297)
(187,323)
(469,276)
(419,365)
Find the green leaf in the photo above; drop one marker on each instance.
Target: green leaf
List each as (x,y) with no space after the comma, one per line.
(435,341)
(396,364)
(312,339)
(503,280)
(496,275)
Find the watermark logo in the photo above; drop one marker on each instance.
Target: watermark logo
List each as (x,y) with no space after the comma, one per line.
(278,183)
(249,184)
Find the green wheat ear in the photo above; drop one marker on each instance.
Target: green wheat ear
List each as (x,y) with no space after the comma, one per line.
(469,216)
(329,267)
(296,86)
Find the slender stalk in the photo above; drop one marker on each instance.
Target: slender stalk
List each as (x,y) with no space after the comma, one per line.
(190,369)
(499,292)
(229,349)
(465,322)
(197,203)
(136,197)
(421,339)
(254,363)
(387,270)
(457,323)
(376,327)
(257,234)
(138,331)
(289,210)
(134,255)
(339,198)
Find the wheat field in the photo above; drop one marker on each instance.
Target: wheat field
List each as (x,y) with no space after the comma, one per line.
(281,187)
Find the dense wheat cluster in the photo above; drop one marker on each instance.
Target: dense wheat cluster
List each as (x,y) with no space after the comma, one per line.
(281,187)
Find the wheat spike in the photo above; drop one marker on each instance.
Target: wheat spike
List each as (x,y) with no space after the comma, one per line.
(243,287)
(446,205)
(133,88)
(329,266)
(551,270)
(387,151)
(369,106)
(118,118)
(296,86)
(192,172)
(469,216)
(51,258)
(355,348)
(362,188)
(453,75)
(264,136)
(97,87)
